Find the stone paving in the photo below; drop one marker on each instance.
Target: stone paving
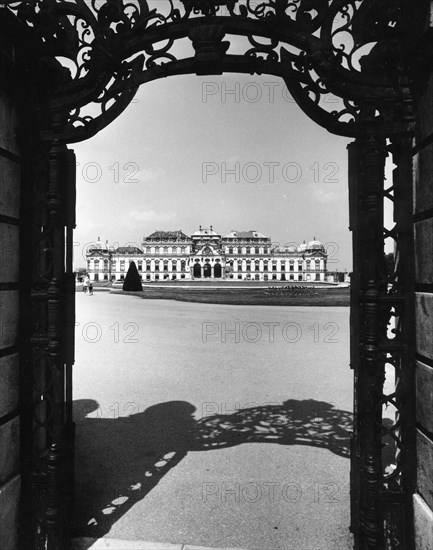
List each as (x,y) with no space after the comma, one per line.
(268,465)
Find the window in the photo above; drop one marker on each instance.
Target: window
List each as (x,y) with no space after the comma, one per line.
(182,265)
(265,250)
(140,266)
(122,265)
(291,266)
(156,266)
(174,267)
(300,278)
(157,277)
(248,250)
(148,277)
(239,250)
(230,250)
(148,265)
(300,267)
(274,276)
(291,277)
(283,267)
(257,277)
(274,267)
(239,276)
(257,250)
(317,276)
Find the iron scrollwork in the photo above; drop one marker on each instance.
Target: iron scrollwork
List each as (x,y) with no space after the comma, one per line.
(93,55)
(88,59)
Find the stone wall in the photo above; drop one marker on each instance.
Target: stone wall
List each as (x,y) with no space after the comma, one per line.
(423,220)
(10,164)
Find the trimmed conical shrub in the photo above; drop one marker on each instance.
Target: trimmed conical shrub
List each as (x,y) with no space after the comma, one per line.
(132,280)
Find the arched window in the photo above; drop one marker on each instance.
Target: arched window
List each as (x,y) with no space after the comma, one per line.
(239,250)
(257,249)
(248,250)
(230,250)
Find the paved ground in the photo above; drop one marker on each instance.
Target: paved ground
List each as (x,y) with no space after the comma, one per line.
(190,434)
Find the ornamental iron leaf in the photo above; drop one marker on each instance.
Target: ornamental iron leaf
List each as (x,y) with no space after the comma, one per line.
(92,55)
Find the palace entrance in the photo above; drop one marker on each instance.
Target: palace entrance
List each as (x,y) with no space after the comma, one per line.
(217,270)
(85,63)
(207,270)
(197,271)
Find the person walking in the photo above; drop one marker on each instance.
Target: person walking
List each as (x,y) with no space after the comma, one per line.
(86,284)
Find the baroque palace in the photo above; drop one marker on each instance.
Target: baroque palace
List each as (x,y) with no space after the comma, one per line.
(240,255)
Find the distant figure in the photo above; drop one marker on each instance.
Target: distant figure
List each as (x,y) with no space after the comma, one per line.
(86,284)
(90,288)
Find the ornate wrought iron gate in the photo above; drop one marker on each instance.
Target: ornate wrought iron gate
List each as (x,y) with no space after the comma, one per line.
(95,55)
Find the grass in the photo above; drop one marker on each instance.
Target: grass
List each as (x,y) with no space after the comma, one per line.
(333,296)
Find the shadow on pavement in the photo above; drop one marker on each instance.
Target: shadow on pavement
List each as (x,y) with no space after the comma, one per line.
(127,456)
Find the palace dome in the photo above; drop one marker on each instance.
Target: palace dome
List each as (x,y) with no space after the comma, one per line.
(315,245)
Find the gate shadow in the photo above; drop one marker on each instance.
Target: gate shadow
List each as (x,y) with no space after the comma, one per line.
(120,460)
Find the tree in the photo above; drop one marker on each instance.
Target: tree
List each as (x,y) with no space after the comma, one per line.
(132,280)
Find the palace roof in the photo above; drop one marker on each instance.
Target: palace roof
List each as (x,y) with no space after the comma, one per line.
(203,231)
(127,250)
(167,236)
(245,235)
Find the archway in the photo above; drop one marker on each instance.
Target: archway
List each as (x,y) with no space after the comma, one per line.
(107,47)
(197,270)
(217,270)
(207,270)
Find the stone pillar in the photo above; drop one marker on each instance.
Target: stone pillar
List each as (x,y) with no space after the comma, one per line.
(10,209)
(423,226)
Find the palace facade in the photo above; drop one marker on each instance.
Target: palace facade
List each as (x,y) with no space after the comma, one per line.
(206,254)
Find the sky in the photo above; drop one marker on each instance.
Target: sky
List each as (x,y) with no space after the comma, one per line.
(231,151)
